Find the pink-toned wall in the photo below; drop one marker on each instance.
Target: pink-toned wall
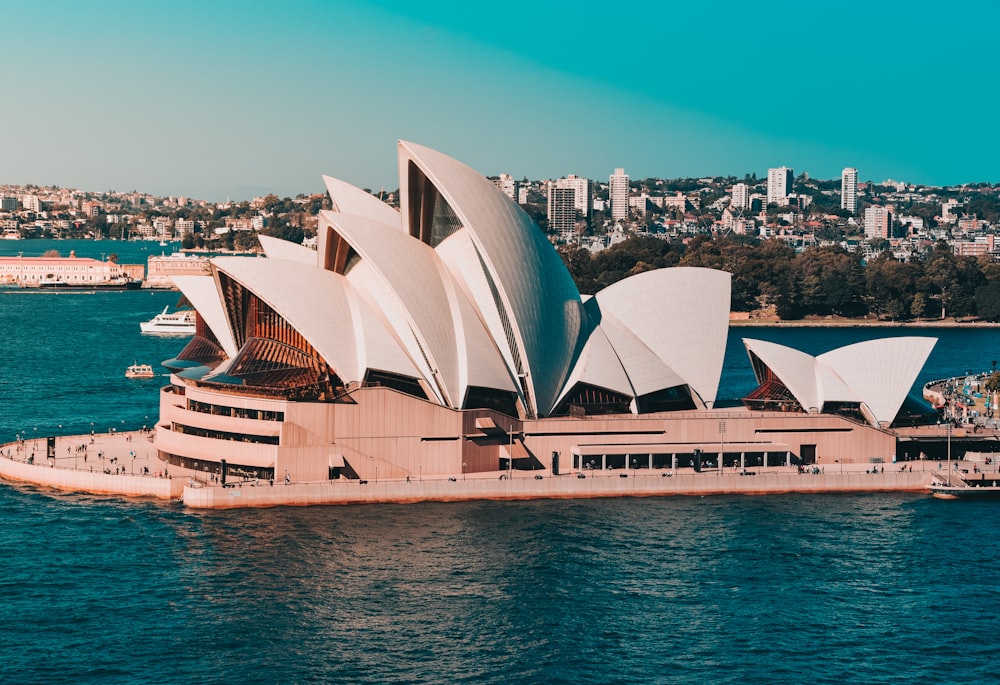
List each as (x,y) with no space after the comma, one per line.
(384,434)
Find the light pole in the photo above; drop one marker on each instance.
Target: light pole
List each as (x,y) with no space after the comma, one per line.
(722,444)
(949,453)
(510,452)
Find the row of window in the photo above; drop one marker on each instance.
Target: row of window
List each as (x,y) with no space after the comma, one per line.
(233,471)
(235,412)
(225,435)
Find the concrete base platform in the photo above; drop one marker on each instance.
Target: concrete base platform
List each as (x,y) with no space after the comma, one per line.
(125,464)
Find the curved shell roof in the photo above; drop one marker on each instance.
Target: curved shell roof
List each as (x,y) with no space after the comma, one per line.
(349,199)
(878,373)
(881,371)
(347,334)
(681,314)
(796,369)
(203,294)
(276,248)
(533,289)
(454,346)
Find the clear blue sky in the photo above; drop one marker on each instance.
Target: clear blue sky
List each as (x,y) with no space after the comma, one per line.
(215,99)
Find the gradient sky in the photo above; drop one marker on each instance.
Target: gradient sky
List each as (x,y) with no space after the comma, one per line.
(233,99)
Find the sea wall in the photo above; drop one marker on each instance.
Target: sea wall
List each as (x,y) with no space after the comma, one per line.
(548,487)
(94,482)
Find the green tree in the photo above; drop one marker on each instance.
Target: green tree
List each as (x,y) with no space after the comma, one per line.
(988,301)
(918,306)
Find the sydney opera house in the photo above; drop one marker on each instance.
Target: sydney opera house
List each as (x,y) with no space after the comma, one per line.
(446,339)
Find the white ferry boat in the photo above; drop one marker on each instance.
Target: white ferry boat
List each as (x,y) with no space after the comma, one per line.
(178,323)
(139,371)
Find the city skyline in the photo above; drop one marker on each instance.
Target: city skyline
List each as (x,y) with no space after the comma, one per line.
(230,101)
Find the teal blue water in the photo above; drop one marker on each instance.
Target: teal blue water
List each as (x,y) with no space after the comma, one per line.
(782,589)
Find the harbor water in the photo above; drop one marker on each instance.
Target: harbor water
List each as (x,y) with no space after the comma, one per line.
(830,589)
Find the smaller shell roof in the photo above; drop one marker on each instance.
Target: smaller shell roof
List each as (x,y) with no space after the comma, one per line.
(276,248)
(203,294)
(881,371)
(349,199)
(878,373)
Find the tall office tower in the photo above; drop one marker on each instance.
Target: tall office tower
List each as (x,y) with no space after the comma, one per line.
(849,190)
(618,194)
(878,222)
(508,185)
(779,184)
(741,197)
(562,210)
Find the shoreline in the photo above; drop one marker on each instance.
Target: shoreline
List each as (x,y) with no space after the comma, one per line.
(858,323)
(128,467)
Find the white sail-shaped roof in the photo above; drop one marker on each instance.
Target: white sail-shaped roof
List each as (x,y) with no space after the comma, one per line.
(796,370)
(349,199)
(529,286)
(319,304)
(598,365)
(881,371)
(203,294)
(875,373)
(682,315)
(276,248)
(429,314)
(646,371)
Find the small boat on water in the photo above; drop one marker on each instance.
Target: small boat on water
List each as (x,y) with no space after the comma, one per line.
(963,487)
(178,323)
(56,283)
(139,371)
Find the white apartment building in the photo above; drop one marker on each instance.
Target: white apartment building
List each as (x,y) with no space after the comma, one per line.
(878,222)
(507,185)
(849,190)
(779,185)
(741,197)
(618,194)
(31,203)
(948,214)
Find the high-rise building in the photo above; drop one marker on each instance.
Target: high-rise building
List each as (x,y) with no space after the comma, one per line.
(618,194)
(569,198)
(741,197)
(779,185)
(878,222)
(581,192)
(849,190)
(562,212)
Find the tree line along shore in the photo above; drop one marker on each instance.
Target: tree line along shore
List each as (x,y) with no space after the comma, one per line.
(773,281)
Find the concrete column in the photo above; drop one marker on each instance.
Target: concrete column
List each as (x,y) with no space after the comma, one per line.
(743,461)
(649,462)
(604,462)
(788,458)
(673,462)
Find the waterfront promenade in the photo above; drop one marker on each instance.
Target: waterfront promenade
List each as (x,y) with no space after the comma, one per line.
(125,464)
